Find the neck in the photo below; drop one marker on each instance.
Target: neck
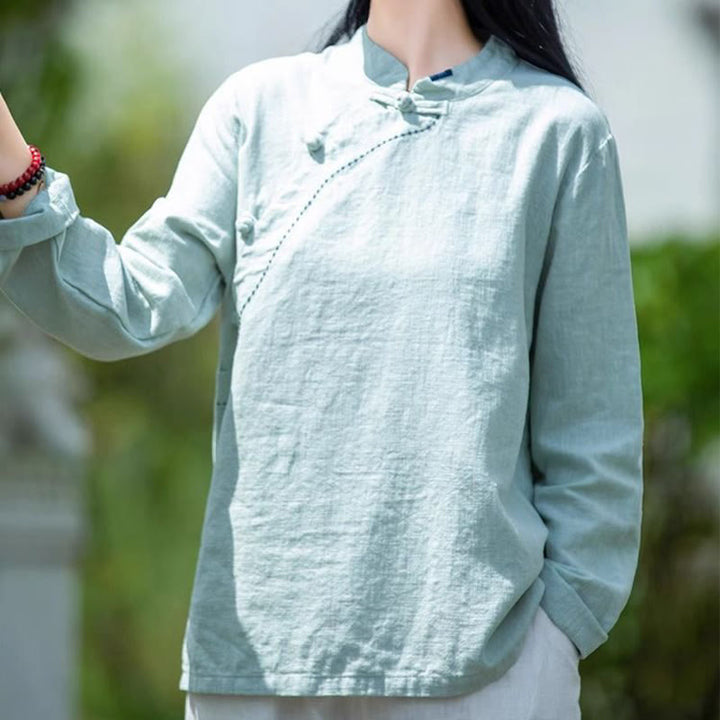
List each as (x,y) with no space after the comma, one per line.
(426,36)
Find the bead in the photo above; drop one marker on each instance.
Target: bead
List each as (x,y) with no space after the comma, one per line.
(31,176)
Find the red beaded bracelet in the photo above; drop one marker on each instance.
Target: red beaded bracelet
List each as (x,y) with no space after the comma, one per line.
(29,178)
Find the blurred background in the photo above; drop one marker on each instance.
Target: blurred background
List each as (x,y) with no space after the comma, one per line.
(105,467)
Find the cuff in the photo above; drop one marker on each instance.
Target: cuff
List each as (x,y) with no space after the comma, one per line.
(568,611)
(51,210)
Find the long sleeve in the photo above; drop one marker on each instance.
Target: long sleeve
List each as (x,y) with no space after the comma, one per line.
(162,282)
(586,415)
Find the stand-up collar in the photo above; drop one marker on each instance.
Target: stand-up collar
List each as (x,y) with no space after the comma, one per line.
(494,60)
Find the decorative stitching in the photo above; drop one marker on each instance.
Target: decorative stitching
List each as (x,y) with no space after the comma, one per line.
(312,198)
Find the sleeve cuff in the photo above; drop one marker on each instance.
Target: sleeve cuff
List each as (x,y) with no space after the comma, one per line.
(51,210)
(567,610)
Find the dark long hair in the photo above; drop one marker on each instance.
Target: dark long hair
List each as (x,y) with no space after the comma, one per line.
(530,27)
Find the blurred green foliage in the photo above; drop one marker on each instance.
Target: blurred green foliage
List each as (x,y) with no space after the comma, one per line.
(661,660)
(147,483)
(151,418)
(38,71)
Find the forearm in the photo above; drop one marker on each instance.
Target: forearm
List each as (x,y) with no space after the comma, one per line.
(162,282)
(15,158)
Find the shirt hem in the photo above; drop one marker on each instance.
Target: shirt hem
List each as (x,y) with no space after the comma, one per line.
(403,685)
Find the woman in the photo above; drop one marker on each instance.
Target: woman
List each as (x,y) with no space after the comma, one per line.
(426,490)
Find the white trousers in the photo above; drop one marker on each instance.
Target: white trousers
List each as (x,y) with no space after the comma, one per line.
(543,684)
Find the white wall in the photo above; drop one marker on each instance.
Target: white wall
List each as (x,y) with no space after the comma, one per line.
(657,76)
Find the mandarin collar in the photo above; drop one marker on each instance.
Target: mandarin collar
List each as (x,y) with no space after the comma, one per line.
(381,68)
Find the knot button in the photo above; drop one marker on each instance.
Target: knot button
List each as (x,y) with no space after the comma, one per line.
(314,140)
(405,102)
(245,223)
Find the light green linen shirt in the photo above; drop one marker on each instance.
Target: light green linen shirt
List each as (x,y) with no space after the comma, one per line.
(428,409)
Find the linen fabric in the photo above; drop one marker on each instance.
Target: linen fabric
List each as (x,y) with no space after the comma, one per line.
(542,684)
(428,409)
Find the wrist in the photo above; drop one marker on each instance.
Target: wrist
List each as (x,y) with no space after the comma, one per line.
(16,207)
(14,160)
